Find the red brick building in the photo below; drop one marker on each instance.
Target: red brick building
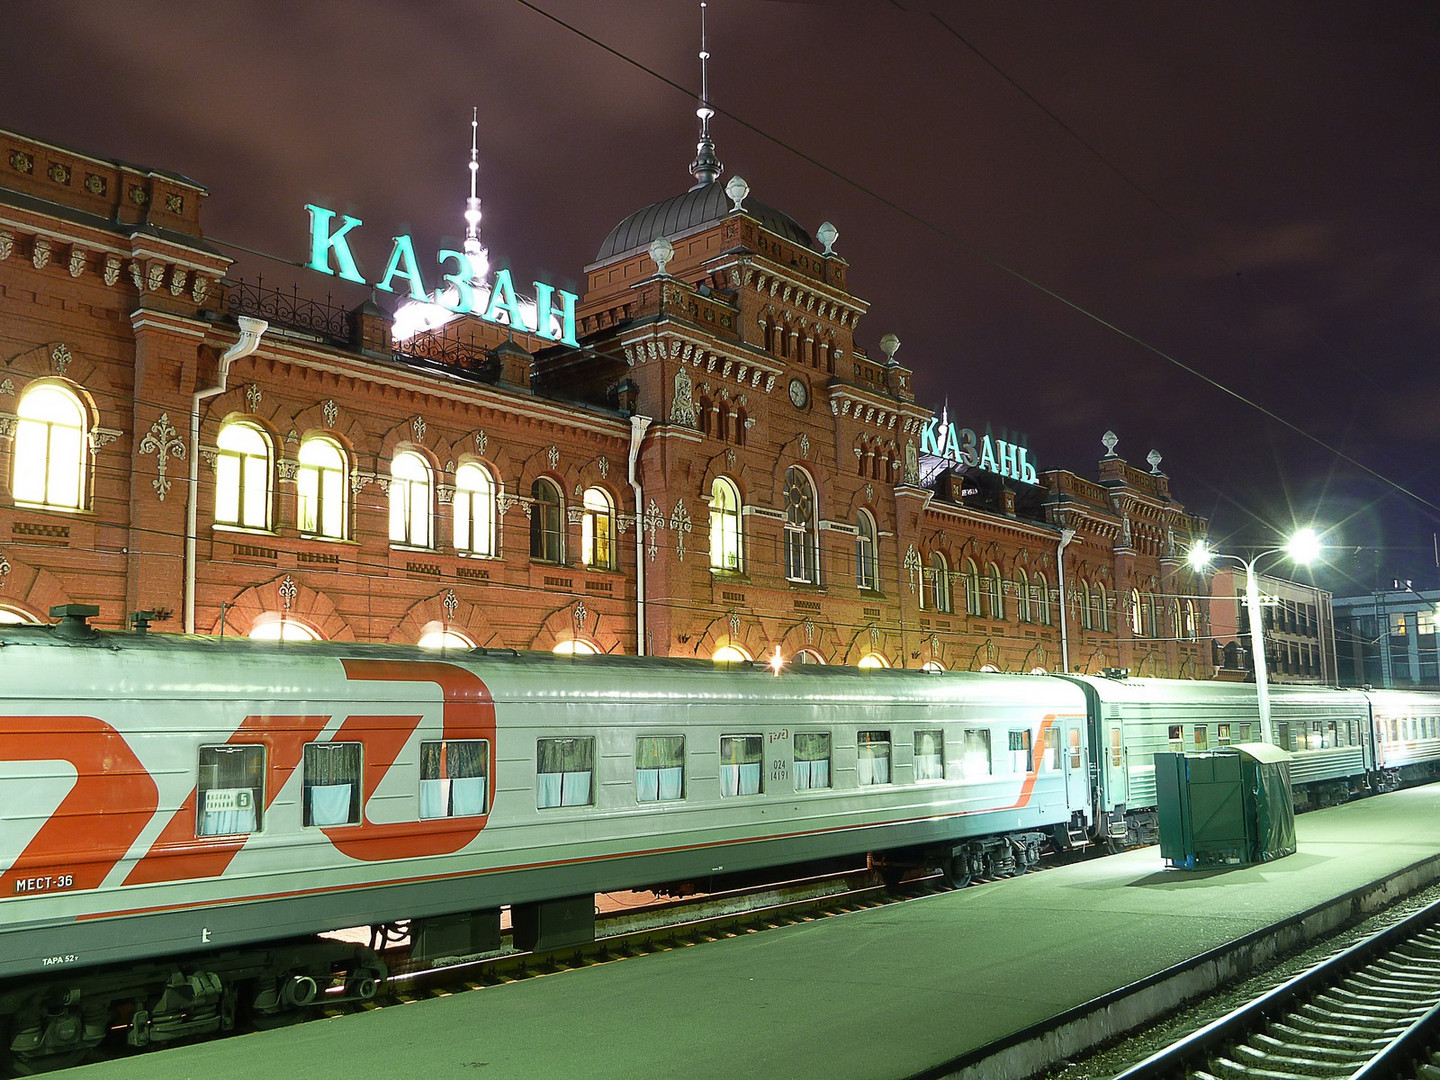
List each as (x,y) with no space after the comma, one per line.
(721,465)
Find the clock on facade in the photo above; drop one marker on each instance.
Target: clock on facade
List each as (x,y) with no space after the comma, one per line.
(799,393)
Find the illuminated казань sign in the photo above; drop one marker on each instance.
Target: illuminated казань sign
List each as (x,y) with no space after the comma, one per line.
(504,308)
(942,439)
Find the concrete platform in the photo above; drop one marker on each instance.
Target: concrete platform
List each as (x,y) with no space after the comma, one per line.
(1021,969)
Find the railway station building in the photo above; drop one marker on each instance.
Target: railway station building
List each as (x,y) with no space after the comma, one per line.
(703,454)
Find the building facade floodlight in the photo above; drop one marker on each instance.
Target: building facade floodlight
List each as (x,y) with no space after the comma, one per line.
(1302,549)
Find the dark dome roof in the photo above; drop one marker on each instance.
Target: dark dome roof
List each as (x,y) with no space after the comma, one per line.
(698,206)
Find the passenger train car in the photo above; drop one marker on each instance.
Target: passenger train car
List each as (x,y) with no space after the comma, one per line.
(181,817)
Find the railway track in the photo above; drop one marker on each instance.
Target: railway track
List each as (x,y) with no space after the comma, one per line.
(1368,1012)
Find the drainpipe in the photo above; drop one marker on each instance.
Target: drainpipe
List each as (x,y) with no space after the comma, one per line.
(249,340)
(638,426)
(1066,536)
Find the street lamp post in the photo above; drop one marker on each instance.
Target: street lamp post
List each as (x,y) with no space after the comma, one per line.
(1302,548)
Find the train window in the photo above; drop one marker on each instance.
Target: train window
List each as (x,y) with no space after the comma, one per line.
(812,760)
(929,755)
(740,760)
(1282,735)
(1243,732)
(1177,732)
(1116,754)
(1222,734)
(1202,737)
(230,790)
(976,761)
(1050,747)
(332,784)
(454,775)
(659,768)
(564,772)
(872,758)
(1021,759)
(1332,734)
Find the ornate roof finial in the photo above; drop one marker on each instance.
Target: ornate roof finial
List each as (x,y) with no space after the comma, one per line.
(472,204)
(706,167)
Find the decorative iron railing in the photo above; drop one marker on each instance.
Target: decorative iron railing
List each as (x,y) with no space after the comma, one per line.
(447,349)
(291,310)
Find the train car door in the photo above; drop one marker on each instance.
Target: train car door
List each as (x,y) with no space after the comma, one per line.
(1117,769)
(1075,757)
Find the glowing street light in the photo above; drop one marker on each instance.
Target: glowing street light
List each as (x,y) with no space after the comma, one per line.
(1302,549)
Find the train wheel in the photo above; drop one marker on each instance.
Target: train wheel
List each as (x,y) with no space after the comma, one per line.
(956,872)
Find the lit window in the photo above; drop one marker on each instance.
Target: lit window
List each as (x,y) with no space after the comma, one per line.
(547,535)
(740,764)
(873,660)
(230,791)
(564,772)
(812,760)
(994,592)
(11,617)
(441,640)
(801,534)
(454,775)
(575,647)
(725,526)
(867,562)
(972,587)
(242,477)
(659,768)
(410,500)
(271,627)
(332,784)
(1137,613)
(1101,601)
(940,570)
(932,665)
(929,755)
(976,760)
(1022,596)
(597,530)
(1040,590)
(872,758)
(731,654)
(321,480)
(474,510)
(50,440)
(1021,757)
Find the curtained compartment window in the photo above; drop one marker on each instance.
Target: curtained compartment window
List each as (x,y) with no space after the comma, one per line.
(872,758)
(230,790)
(740,763)
(977,753)
(929,755)
(564,772)
(1050,748)
(332,783)
(659,768)
(1021,758)
(453,778)
(812,760)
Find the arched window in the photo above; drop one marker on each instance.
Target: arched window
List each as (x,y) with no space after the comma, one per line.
(1137,613)
(547,516)
(731,654)
(15,617)
(597,530)
(1192,622)
(873,660)
(1101,599)
(972,587)
(702,414)
(575,647)
(410,500)
(1022,595)
(441,640)
(740,421)
(725,551)
(1040,589)
(273,626)
(1087,613)
(994,592)
(940,569)
(474,509)
(242,477)
(801,533)
(50,445)
(321,480)
(867,562)
(1177,621)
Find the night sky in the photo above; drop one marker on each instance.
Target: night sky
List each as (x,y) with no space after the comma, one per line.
(1043,201)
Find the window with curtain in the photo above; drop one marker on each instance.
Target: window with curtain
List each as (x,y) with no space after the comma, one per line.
(230,790)
(1022,758)
(994,592)
(474,509)
(242,477)
(812,760)
(50,451)
(940,571)
(659,768)
(547,522)
(741,762)
(872,758)
(454,778)
(1137,613)
(976,760)
(331,784)
(725,525)
(801,532)
(410,500)
(1022,596)
(322,488)
(564,772)
(867,562)
(972,587)
(1040,589)
(930,755)
(597,530)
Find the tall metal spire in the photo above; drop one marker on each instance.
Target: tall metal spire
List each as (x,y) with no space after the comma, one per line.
(472,204)
(706,167)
